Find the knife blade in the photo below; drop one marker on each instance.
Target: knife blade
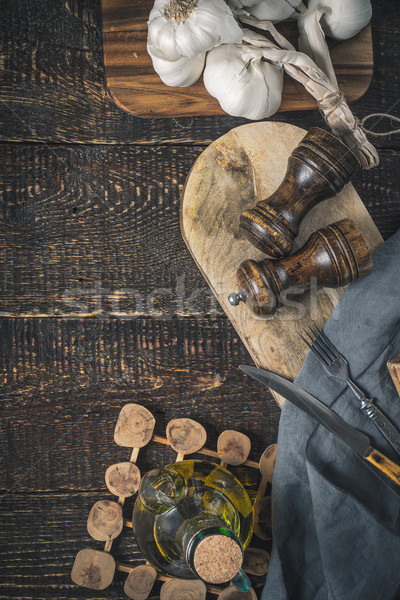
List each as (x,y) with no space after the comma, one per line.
(358,441)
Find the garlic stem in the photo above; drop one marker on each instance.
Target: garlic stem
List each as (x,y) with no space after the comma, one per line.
(312,41)
(330,100)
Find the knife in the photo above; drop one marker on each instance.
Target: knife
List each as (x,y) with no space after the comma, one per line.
(352,437)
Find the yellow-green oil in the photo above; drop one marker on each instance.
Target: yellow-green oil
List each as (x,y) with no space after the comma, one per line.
(179,501)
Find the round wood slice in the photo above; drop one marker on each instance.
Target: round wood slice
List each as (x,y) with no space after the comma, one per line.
(231,593)
(139,582)
(256,561)
(123,479)
(105,520)
(267,462)
(93,569)
(180,589)
(231,175)
(134,427)
(262,519)
(233,447)
(186,436)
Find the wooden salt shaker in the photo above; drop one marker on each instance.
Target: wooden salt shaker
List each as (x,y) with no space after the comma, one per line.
(333,257)
(317,169)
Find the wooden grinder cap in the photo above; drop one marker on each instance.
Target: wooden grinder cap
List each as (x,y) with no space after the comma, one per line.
(217,559)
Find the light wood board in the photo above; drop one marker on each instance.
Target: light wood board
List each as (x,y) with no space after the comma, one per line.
(136,87)
(231,175)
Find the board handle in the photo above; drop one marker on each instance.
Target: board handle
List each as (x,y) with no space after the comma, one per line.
(384,464)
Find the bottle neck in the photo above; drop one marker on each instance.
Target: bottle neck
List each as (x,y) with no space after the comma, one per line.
(215,555)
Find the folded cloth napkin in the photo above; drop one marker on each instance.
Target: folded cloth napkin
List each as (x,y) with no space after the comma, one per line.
(336,520)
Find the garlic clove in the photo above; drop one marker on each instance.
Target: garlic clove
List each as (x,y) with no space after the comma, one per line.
(273,10)
(243,84)
(180,73)
(342,19)
(161,39)
(191,28)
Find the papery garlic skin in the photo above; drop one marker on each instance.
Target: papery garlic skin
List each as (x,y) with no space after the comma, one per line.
(272,10)
(243,83)
(179,73)
(190,27)
(342,19)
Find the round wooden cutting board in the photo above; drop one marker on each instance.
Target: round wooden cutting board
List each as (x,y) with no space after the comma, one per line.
(231,175)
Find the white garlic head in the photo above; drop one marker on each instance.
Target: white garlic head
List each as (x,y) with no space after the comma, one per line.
(243,83)
(179,73)
(342,19)
(272,10)
(187,28)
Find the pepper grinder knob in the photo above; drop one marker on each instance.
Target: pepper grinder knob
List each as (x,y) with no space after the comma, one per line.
(333,256)
(317,169)
(236,298)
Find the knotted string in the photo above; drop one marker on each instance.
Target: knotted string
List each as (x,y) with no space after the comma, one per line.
(382,116)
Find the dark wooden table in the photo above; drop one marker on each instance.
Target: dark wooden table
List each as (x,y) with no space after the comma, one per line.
(101,302)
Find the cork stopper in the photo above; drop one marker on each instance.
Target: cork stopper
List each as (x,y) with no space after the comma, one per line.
(217,559)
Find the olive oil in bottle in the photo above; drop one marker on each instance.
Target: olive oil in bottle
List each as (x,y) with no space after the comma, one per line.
(194,518)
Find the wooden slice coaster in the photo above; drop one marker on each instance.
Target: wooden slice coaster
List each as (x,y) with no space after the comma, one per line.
(134,427)
(262,519)
(231,593)
(262,522)
(123,479)
(105,520)
(256,561)
(186,436)
(139,582)
(179,589)
(267,462)
(233,447)
(93,569)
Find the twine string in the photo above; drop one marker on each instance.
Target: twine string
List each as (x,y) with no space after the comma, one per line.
(381,116)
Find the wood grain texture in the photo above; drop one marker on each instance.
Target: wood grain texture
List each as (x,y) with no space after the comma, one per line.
(136,87)
(232,174)
(76,375)
(54,88)
(81,229)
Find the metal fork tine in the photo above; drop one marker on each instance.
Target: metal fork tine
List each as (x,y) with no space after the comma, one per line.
(327,341)
(316,341)
(314,349)
(323,348)
(323,351)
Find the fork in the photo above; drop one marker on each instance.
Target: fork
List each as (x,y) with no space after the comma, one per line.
(337,366)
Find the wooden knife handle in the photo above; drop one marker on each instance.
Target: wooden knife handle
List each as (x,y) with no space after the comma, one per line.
(393,365)
(384,464)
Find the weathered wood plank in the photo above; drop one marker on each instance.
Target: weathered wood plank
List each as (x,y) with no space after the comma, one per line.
(64,382)
(95,230)
(54,82)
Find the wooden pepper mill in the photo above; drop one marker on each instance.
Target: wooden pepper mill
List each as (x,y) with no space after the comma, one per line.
(335,256)
(317,169)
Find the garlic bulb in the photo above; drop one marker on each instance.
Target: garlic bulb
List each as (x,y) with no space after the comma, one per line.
(273,10)
(342,19)
(178,28)
(179,73)
(243,84)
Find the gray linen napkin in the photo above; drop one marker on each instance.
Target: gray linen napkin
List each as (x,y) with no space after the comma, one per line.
(336,524)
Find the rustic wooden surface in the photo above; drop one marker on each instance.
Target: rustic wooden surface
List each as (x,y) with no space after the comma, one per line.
(136,87)
(231,175)
(91,194)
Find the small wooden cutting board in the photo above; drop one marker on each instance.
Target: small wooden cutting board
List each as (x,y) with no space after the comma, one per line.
(136,87)
(231,175)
